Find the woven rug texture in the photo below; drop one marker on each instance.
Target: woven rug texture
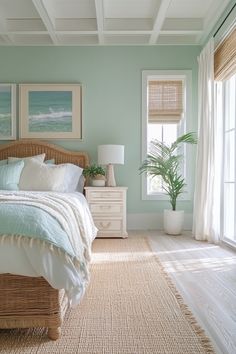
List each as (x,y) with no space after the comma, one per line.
(130,307)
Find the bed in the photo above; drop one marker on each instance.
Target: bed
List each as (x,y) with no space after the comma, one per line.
(30,301)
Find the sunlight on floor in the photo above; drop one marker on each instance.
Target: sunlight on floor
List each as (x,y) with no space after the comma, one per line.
(119,257)
(196,257)
(186,250)
(198,265)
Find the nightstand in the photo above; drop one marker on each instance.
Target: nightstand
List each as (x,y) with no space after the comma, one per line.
(108,208)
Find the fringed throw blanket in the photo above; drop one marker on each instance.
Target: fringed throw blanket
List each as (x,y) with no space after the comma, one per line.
(59,222)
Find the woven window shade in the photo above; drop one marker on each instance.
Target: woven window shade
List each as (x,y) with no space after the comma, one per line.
(225,58)
(165,101)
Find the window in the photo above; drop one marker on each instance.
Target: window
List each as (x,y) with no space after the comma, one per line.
(229,160)
(225,76)
(166,100)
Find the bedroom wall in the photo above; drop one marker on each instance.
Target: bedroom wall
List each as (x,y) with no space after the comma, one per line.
(111,81)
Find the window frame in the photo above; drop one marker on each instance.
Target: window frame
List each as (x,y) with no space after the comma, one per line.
(223,237)
(185,75)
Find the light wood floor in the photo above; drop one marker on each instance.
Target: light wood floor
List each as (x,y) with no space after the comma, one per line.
(205,275)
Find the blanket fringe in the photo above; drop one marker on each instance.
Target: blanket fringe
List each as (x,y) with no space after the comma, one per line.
(205,341)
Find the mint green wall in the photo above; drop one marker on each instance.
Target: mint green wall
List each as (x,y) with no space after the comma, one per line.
(111,80)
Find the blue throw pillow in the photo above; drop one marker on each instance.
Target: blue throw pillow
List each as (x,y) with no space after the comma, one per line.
(10,175)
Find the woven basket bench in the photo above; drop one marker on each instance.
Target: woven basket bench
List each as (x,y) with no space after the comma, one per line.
(31,302)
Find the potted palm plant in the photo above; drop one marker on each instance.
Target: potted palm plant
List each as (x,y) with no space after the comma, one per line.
(96,174)
(165,161)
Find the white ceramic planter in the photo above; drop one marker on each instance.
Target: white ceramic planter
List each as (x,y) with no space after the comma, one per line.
(173,221)
(98,182)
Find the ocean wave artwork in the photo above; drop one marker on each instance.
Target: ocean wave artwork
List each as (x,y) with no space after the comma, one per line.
(5,112)
(50,111)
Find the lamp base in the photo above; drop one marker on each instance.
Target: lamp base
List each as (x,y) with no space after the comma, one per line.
(111,182)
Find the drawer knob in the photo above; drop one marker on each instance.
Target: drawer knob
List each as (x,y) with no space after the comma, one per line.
(105,226)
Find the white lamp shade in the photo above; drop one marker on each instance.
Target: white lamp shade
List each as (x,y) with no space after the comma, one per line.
(110,154)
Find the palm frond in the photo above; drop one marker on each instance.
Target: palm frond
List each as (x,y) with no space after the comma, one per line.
(158,148)
(164,161)
(188,138)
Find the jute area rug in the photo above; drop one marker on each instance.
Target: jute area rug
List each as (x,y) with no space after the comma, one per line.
(130,307)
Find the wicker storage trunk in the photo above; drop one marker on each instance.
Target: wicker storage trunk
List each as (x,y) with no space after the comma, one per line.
(31,302)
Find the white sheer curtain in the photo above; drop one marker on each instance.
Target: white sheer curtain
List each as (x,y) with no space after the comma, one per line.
(206,215)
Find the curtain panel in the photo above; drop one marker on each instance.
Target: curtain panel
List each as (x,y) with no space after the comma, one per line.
(206,213)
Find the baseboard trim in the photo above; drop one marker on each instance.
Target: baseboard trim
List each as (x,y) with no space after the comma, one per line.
(153,221)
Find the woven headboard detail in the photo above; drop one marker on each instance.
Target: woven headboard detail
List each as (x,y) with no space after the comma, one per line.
(24,148)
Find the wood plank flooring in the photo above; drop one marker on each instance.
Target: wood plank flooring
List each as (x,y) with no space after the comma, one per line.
(205,275)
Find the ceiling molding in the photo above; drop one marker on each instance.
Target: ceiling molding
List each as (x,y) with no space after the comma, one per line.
(108,22)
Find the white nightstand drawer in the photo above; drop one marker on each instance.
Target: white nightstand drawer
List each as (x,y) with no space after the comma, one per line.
(106,208)
(109,195)
(108,225)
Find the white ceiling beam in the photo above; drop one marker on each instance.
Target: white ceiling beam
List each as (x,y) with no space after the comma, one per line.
(106,32)
(100,20)
(47,19)
(3,29)
(8,33)
(160,18)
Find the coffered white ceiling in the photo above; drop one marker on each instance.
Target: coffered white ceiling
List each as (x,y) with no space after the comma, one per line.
(107,22)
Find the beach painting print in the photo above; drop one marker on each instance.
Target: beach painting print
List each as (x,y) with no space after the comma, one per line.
(50,111)
(7,111)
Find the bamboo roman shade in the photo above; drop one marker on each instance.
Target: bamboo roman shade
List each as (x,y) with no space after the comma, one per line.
(225,58)
(165,101)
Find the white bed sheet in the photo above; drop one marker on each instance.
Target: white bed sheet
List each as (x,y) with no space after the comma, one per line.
(35,262)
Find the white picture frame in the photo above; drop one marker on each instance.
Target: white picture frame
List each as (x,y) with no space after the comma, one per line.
(50,111)
(7,111)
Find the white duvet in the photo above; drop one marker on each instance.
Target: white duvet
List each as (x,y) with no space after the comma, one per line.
(35,260)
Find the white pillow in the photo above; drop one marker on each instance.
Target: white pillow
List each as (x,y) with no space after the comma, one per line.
(40,158)
(37,176)
(74,180)
(72,177)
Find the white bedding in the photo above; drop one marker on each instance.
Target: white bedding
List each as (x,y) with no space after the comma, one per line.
(60,272)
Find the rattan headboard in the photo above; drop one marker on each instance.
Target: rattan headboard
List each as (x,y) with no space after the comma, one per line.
(24,148)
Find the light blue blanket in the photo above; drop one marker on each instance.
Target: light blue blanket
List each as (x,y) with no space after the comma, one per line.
(35,223)
(51,219)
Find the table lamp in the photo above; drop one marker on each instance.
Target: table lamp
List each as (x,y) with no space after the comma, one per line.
(110,155)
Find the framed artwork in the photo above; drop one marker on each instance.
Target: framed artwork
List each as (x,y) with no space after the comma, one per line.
(50,111)
(7,111)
